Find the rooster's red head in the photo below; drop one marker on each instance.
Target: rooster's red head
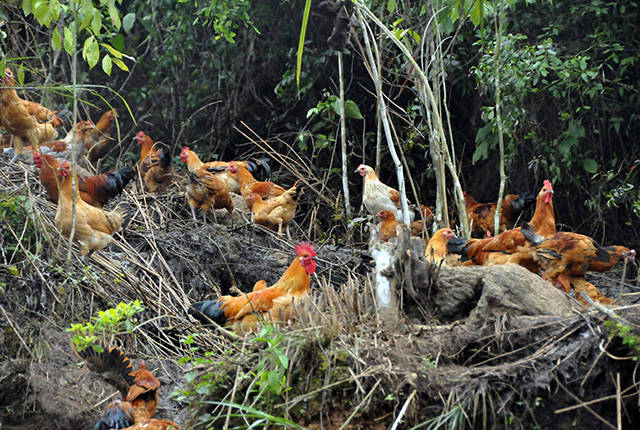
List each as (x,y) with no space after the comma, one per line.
(547,189)
(183,154)
(37,159)
(363,169)
(305,254)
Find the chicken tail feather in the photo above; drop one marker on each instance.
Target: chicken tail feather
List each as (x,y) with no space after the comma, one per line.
(524,201)
(262,164)
(111,363)
(119,416)
(529,234)
(208,310)
(457,245)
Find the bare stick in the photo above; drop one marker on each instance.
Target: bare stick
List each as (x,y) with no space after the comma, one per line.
(498,24)
(343,139)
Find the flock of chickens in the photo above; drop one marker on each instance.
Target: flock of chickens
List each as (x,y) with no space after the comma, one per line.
(561,257)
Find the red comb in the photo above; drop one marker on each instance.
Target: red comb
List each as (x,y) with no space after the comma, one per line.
(304,247)
(547,184)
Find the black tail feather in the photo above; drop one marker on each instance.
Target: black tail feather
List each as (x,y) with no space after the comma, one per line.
(165,158)
(119,416)
(524,201)
(208,310)
(111,363)
(260,163)
(529,233)
(457,245)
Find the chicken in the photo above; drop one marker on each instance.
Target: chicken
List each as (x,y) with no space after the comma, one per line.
(24,119)
(155,165)
(419,226)
(566,257)
(277,212)
(510,245)
(138,390)
(219,168)
(98,140)
(437,246)
(248,184)
(274,303)
(206,192)
(378,196)
(388,225)
(481,215)
(94,227)
(96,190)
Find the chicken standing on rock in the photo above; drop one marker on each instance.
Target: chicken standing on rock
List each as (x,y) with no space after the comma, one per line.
(138,389)
(248,184)
(437,248)
(275,303)
(24,119)
(388,224)
(378,196)
(155,165)
(94,227)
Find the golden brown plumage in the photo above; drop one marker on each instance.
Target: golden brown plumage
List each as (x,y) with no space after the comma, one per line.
(98,141)
(481,215)
(248,184)
(388,225)
(155,164)
(274,302)
(24,119)
(437,248)
(94,227)
(277,212)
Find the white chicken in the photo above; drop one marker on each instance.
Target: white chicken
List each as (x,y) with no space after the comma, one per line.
(378,196)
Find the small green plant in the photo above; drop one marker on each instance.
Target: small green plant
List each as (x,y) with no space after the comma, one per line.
(628,336)
(271,370)
(428,362)
(19,236)
(106,326)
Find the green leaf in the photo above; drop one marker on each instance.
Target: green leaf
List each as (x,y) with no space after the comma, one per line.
(481,152)
(106,64)
(590,165)
(118,62)
(113,14)
(56,40)
(42,14)
(477,12)
(391,5)
(96,22)
(351,110)
(26,7)
(68,41)
(91,52)
(128,21)
(303,32)
(113,51)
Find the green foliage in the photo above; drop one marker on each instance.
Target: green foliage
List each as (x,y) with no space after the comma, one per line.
(18,237)
(224,16)
(270,373)
(74,17)
(629,337)
(105,326)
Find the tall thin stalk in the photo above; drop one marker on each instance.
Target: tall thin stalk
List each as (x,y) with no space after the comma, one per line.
(432,105)
(74,152)
(343,138)
(496,61)
(385,119)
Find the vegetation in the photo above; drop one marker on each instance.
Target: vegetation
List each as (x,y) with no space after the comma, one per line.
(548,89)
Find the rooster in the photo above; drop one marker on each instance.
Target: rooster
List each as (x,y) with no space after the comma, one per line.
(155,164)
(248,184)
(506,246)
(95,227)
(277,212)
(378,196)
(96,190)
(138,389)
(566,256)
(24,119)
(481,215)
(98,140)
(275,303)
(219,168)
(206,191)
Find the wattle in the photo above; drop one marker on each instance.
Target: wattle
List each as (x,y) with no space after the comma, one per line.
(310,266)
